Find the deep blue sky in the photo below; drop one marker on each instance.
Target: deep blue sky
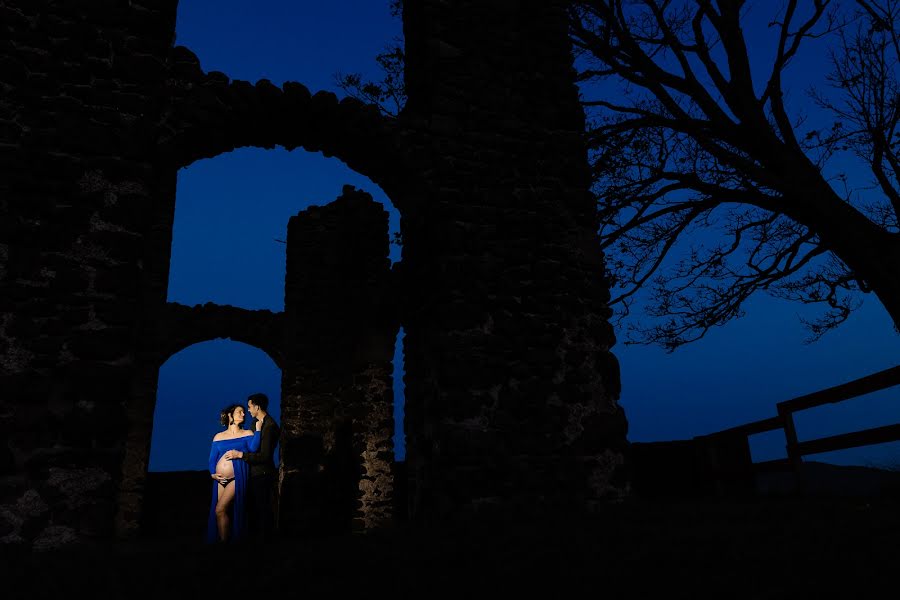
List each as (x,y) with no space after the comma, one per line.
(231,209)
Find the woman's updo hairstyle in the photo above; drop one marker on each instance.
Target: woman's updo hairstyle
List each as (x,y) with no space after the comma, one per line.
(227,412)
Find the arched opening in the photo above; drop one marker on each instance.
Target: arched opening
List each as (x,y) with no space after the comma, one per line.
(230,245)
(194,385)
(234,201)
(228,276)
(231,217)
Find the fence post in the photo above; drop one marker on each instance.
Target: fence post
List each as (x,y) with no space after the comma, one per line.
(792,446)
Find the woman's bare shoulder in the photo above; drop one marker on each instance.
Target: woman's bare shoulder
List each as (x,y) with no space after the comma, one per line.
(218,436)
(248,433)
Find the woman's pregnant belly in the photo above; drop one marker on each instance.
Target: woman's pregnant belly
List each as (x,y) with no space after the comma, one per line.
(225,467)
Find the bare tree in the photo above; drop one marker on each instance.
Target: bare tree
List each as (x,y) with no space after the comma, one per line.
(687,135)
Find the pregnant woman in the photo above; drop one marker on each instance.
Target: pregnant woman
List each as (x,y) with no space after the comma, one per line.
(227,518)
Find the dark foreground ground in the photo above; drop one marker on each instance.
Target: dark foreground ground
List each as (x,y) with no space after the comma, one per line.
(764,548)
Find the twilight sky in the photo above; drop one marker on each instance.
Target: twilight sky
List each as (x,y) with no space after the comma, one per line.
(231,210)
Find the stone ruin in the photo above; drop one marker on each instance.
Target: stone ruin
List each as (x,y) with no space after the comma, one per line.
(511,390)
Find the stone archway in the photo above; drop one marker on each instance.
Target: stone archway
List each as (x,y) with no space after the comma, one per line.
(169,330)
(208,114)
(334,343)
(204,115)
(194,384)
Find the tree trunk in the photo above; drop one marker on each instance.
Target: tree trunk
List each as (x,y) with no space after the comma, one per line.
(870,251)
(877,262)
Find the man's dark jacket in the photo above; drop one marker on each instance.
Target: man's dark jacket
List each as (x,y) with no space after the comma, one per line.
(262,462)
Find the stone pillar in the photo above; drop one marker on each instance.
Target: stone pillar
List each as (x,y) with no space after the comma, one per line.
(81,94)
(511,390)
(337,397)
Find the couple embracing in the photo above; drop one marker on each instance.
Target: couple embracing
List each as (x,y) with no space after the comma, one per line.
(243,470)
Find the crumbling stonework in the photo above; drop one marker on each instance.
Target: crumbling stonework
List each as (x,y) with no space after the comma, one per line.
(511,388)
(337,391)
(511,391)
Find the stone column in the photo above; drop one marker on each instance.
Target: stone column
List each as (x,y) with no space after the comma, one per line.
(511,390)
(337,397)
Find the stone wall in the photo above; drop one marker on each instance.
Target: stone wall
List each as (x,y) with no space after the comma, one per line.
(511,389)
(79,181)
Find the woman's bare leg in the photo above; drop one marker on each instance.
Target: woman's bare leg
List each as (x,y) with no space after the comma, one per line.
(226,497)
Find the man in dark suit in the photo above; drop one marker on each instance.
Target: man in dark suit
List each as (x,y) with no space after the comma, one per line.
(261,487)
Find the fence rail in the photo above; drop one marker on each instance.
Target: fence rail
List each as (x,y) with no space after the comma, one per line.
(796,449)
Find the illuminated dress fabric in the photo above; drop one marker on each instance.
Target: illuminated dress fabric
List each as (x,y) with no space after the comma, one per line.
(241,475)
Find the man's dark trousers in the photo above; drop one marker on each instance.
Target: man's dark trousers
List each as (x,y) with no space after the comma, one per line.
(261,487)
(261,507)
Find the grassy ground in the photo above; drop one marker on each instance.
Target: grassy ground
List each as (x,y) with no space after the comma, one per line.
(774,548)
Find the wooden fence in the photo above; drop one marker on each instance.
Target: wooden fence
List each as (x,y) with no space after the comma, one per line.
(784,420)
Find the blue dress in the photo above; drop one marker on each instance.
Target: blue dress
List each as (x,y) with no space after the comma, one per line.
(241,475)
